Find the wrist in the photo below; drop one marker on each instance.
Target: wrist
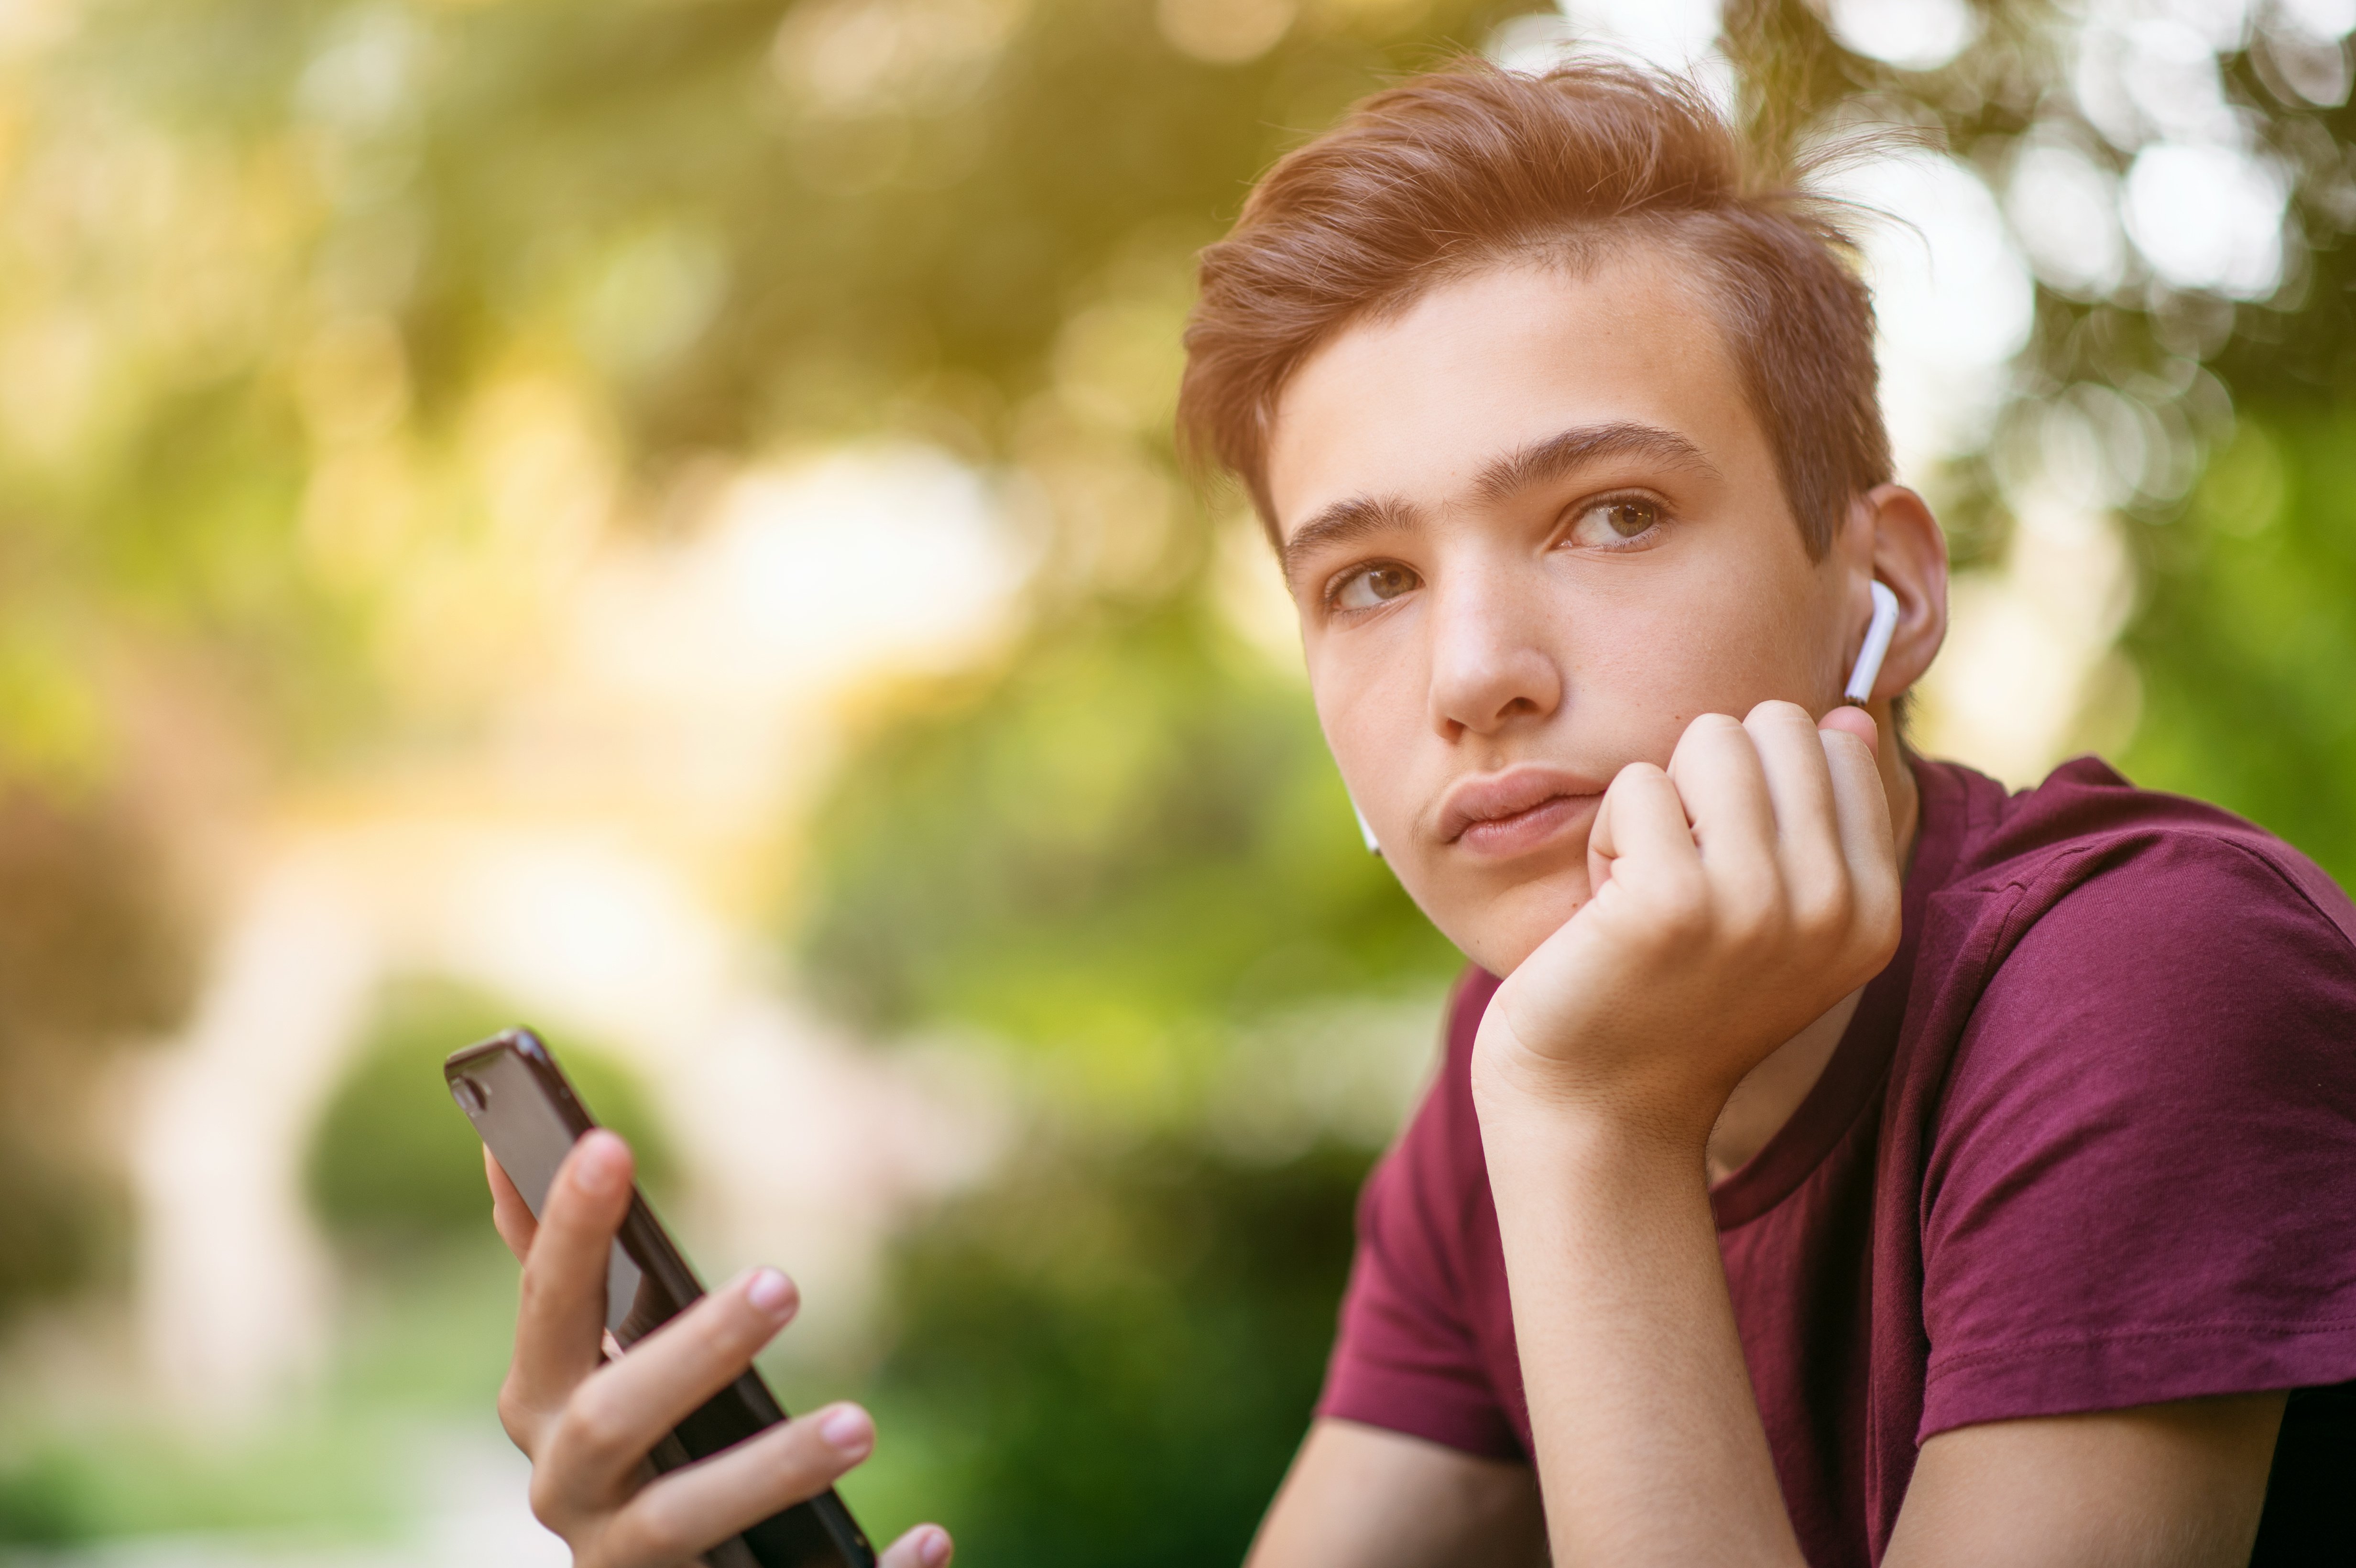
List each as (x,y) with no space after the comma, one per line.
(1587,1156)
(1525,1106)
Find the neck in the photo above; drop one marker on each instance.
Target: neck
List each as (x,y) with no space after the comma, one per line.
(1771,1091)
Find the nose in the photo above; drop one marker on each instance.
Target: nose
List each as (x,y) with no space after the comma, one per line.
(1492,664)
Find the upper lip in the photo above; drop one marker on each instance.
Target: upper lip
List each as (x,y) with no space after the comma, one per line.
(1488,797)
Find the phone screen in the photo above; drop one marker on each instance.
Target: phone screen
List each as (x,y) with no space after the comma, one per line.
(528,1117)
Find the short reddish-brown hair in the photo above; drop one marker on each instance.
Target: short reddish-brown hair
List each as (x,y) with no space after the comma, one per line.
(1474,165)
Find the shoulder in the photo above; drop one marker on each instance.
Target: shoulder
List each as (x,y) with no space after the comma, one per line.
(2197,865)
(2142,1162)
(2147,948)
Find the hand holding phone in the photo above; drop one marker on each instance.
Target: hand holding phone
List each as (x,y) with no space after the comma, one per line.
(603,1430)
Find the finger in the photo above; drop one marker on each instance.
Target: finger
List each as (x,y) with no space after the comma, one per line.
(1868,839)
(1856,721)
(622,1411)
(1718,774)
(1807,829)
(561,1316)
(510,1215)
(1642,817)
(926,1546)
(692,1510)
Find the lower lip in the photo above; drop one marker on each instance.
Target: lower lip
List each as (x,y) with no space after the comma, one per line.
(1526,831)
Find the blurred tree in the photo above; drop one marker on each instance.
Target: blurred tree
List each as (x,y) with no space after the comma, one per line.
(261,406)
(2242,642)
(91,959)
(2249,636)
(1111,851)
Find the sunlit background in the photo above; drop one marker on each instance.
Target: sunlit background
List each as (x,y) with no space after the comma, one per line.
(657,518)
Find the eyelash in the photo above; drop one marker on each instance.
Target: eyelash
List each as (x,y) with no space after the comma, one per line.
(1662,517)
(1572,513)
(1342,580)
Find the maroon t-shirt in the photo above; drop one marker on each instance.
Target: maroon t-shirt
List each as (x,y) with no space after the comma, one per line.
(2089,1142)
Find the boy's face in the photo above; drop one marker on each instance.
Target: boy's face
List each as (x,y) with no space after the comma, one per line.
(1533,528)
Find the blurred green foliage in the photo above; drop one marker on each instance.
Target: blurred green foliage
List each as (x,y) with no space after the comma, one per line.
(415,1342)
(393,1163)
(2248,643)
(295,258)
(1108,855)
(141,1482)
(1117,1349)
(1131,835)
(720,227)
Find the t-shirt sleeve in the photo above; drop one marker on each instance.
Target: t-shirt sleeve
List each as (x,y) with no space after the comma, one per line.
(2143,1183)
(1406,1358)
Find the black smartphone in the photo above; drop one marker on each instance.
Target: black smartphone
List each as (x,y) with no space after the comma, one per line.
(512,1089)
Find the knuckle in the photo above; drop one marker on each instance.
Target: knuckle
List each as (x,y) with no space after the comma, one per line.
(1776,711)
(647,1531)
(1704,736)
(1823,909)
(1679,907)
(533,1286)
(1753,925)
(516,1413)
(1634,776)
(595,1423)
(543,1495)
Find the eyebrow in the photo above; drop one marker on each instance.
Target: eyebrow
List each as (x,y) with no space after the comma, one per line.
(1564,453)
(1568,450)
(1343,522)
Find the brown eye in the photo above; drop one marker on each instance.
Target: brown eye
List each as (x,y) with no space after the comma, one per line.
(1613,521)
(1372,586)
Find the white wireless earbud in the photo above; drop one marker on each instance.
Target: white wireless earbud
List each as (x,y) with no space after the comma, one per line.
(1365,829)
(1877,646)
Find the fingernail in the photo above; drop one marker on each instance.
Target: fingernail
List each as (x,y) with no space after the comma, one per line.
(933,1551)
(770,1291)
(847,1430)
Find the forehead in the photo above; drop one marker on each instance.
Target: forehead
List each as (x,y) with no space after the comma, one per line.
(1416,405)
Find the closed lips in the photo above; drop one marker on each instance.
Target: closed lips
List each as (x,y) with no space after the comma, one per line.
(1500,797)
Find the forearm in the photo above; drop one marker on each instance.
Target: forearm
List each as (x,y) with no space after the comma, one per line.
(1649,1443)
(1359,1497)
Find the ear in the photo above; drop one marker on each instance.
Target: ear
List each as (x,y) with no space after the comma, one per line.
(1893,537)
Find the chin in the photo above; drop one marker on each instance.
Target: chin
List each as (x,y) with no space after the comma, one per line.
(1497,929)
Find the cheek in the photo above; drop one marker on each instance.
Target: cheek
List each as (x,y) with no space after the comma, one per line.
(1370,711)
(1367,726)
(1723,647)
(1639,684)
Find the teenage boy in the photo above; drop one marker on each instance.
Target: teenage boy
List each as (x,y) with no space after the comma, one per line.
(1856,1163)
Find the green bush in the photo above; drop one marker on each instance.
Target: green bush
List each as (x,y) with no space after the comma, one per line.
(1112,1355)
(394,1160)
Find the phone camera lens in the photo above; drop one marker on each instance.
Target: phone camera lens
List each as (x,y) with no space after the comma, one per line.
(470,1094)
